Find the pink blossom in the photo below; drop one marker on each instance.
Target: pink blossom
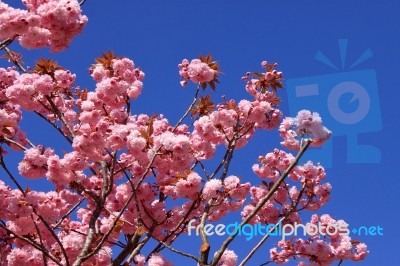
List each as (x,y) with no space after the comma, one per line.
(140,260)
(261,113)
(211,189)
(98,72)
(218,126)
(305,125)
(158,260)
(45,23)
(117,138)
(7,77)
(235,188)
(189,187)
(65,79)
(15,21)
(34,164)
(202,149)
(273,164)
(323,250)
(10,116)
(196,71)
(23,90)
(26,255)
(229,258)
(360,253)
(35,37)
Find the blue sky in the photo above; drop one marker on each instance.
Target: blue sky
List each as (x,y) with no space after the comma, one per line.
(157,35)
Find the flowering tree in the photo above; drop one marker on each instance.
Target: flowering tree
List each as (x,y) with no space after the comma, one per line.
(128,179)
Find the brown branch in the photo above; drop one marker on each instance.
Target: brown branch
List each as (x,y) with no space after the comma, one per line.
(7,141)
(91,233)
(188,110)
(107,187)
(15,62)
(131,245)
(116,243)
(225,160)
(5,43)
(55,126)
(60,115)
(180,252)
(205,245)
(137,250)
(4,166)
(228,158)
(56,238)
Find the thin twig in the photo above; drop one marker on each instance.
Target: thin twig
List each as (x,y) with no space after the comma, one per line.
(68,213)
(15,62)
(55,126)
(179,252)
(60,115)
(177,227)
(188,110)
(224,160)
(14,142)
(3,164)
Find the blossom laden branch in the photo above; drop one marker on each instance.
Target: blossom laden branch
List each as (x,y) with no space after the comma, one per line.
(264,200)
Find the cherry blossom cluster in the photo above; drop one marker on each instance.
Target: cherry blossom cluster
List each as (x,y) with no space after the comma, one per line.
(196,71)
(310,177)
(154,260)
(322,248)
(229,258)
(307,192)
(266,81)
(237,122)
(306,125)
(50,23)
(29,212)
(227,196)
(261,113)
(37,91)
(10,114)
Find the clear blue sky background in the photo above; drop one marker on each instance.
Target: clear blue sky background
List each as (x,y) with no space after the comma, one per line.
(157,35)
